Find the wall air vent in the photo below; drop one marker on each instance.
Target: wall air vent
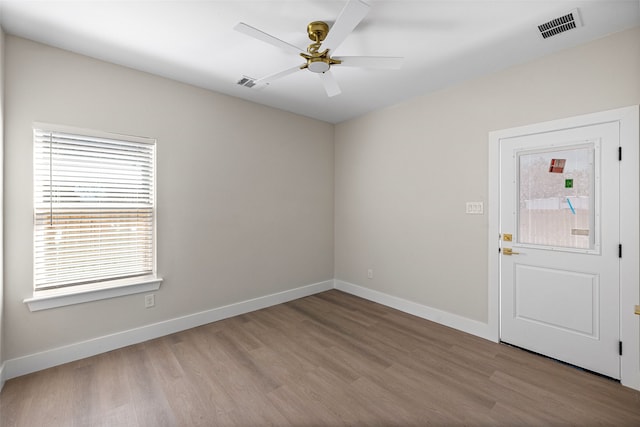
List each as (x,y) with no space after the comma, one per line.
(247,81)
(559,25)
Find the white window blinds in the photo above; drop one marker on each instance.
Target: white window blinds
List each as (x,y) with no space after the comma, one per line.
(94,208)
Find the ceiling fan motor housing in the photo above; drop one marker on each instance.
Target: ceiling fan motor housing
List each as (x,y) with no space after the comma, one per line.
(317,30)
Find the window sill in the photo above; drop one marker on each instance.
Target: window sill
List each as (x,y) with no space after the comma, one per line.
(44,300)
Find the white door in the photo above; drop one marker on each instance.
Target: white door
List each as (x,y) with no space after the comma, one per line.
(560,218)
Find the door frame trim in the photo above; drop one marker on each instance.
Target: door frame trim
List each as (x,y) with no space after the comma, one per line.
(628,119)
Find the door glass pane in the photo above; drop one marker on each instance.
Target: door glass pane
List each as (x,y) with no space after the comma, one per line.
(556,197)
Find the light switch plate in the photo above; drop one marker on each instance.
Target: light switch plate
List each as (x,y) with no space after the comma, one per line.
(475,208)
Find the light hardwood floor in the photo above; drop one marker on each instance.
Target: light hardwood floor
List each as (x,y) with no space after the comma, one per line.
(329,359)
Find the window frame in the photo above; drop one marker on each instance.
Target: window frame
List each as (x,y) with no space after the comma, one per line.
(109,288)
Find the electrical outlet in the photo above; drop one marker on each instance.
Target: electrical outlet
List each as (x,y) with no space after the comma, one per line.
(149,300)
(370,273)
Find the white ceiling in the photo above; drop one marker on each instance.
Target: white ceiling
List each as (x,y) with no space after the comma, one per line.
(443,42)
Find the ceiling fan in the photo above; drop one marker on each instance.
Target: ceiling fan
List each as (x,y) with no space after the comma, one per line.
(328,39)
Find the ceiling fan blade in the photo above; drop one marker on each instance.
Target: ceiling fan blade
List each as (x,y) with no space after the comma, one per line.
(349,18)
(272,77)
(330,84)
(382,62)
(267,38)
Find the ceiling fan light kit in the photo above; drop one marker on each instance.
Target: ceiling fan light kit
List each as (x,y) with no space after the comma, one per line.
(318,61)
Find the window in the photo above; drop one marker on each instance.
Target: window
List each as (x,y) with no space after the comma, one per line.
(94,211)
(556,191)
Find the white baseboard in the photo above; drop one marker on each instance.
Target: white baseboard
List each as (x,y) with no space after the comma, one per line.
(35,362)
(473,327)
(2,379)
(38,361)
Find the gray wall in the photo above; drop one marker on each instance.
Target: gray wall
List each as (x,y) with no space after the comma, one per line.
(245,192)
(246,198)
(403,174)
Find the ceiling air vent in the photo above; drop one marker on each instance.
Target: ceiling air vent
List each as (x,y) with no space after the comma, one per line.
(559,25)
(247,81)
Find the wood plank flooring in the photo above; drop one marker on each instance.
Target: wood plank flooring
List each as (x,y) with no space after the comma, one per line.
(331,359)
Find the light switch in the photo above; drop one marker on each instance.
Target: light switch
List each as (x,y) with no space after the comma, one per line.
(475,208)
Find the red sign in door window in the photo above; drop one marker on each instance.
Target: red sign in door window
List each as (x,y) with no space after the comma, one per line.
(557,165)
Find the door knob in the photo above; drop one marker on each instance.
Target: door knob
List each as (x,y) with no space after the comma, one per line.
(509,251)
